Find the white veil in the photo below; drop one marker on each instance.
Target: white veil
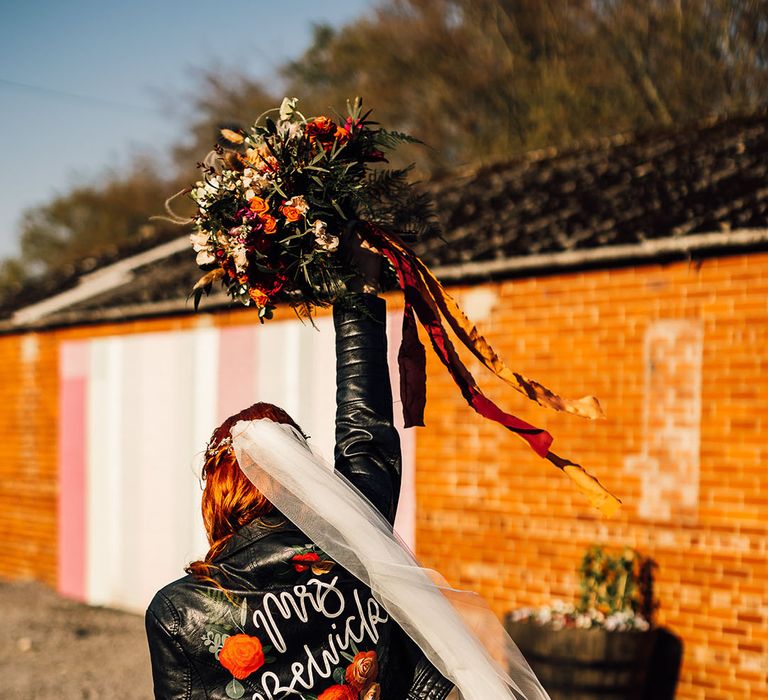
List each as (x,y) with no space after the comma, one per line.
(455,629)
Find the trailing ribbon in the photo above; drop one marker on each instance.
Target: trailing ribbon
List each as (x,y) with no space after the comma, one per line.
(426,299)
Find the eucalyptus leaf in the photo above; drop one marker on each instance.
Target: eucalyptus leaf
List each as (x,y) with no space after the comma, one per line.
(244,612)
(235,689)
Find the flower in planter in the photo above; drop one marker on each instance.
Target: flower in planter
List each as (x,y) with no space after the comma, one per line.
(616,595)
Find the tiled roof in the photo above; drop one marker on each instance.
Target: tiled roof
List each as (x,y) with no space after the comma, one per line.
(609,194)
(619,191)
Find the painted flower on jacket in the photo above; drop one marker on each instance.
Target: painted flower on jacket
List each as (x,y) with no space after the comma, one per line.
(311,557)
(302,562)
(241,655)
(363,670)
(371,692)
(338,692)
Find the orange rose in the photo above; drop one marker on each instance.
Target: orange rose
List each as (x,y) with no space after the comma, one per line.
(270,223)
(338,692)
(241,655)
(363,670)
(258,205)
(320,126)
(342,135)
(260,299)
(371,692)
(290,213)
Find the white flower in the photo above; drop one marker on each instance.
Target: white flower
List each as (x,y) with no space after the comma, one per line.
(240,257)
(299,204)
(290,130)
(254,182)
(239,233)
(324,240)
(521,614)
(199,241)
(205,257)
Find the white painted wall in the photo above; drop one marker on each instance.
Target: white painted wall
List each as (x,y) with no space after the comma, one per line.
(152,402)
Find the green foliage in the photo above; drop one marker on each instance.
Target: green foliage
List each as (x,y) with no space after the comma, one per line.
(616,583)
(222,609)
(388,198)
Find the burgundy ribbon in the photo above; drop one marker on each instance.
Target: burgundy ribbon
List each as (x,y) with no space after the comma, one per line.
(419,303)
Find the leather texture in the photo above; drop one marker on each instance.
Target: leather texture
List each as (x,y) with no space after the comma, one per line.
(312,617)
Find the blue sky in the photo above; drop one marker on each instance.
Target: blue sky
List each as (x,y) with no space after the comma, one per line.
(84,84)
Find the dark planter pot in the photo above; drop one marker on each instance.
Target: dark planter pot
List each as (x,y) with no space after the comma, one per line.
(588,664)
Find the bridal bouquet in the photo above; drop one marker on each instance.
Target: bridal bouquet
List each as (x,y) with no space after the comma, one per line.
(272,205)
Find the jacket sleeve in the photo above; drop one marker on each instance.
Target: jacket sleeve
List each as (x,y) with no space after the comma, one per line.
(367,444)
(428,683)
(171,669)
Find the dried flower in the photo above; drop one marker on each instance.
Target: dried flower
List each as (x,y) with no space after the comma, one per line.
(325,240)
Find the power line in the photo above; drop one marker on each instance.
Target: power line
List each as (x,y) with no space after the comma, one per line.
(62,94)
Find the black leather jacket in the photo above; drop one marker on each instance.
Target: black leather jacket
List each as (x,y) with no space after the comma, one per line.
(318,624)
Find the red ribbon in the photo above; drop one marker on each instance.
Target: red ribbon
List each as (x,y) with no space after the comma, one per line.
(419,303)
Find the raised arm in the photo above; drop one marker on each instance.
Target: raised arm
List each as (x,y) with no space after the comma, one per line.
(367,444)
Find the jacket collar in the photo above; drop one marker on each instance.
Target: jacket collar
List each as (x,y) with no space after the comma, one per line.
(255,530)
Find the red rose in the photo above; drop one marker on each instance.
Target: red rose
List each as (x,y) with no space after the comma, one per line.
(241,655)
(324,131)
(363,670)
(320,126)
(338,692)
(310,557)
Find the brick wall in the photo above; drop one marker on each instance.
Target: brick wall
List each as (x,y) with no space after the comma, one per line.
(677,355)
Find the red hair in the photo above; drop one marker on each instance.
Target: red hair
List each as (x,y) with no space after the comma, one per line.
(230,501)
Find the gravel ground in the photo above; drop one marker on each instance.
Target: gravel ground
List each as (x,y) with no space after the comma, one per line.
(54,648)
